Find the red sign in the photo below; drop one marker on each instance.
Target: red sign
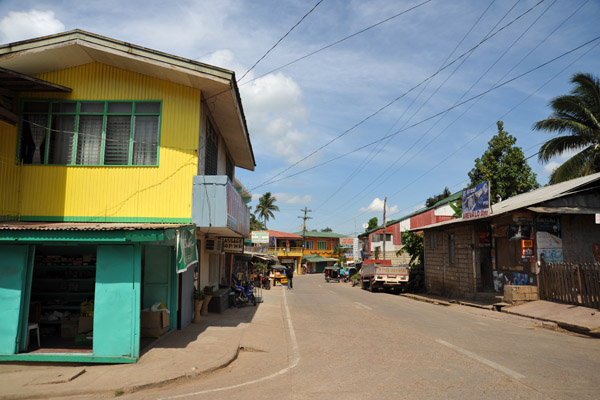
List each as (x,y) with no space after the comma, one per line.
(527,249)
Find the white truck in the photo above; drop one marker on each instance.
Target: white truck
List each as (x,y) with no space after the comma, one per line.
(381,274)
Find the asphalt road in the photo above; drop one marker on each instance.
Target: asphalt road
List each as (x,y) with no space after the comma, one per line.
(332,341)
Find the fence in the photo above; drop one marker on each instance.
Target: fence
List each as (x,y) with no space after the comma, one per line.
(577,284)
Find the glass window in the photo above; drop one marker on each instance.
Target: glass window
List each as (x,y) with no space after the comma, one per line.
(309,245)
(321,245)
(433,241)
(89,132)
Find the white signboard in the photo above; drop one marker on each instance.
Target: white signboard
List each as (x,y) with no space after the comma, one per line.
(260,236)
(233,245)
(356,249)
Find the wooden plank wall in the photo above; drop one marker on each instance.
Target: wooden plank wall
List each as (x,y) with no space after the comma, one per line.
(577,284)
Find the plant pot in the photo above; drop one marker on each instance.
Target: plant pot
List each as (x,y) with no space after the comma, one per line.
(197,310)
(205,305)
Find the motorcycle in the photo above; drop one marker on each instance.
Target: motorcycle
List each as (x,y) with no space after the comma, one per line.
(243,293)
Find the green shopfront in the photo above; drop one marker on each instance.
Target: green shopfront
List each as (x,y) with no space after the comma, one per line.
(75,292)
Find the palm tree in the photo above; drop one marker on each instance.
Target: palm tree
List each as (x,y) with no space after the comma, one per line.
(577,114)
(265,207)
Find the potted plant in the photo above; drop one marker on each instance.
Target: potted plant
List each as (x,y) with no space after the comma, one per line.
(208,292)
(198,302)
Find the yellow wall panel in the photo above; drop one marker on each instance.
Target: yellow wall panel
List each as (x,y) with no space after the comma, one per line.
(9,172)
(162,193)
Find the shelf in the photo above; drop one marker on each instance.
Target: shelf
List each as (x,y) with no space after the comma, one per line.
(64,279)
(65,266)
(60,307)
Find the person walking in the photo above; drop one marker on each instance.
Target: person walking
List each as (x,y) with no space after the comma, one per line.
(290,276)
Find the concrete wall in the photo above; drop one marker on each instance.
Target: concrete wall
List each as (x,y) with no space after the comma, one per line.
(445,278)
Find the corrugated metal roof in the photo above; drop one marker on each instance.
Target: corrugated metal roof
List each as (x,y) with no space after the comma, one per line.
(283,235)
(331,235)
(83,226)
(77,47)
(528,199)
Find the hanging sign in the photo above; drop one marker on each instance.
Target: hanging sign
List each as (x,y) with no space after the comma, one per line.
(187,253)
(233,245)
(260,236)
(346,243)
(476,201)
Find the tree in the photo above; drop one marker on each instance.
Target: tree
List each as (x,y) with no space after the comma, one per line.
(372,224)
(434,199)
(412,243)
(505,166)
(577,117)
(340,254)
(255,223)
(328,229)
(265,207)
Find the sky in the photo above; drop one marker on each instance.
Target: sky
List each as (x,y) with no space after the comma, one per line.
(363,99)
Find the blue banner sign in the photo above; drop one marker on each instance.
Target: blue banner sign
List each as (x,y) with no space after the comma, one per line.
(476,201)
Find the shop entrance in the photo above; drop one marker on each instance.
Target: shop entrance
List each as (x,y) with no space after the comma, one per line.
(62,299)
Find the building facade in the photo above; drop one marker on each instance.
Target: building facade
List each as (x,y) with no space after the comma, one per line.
(117,192)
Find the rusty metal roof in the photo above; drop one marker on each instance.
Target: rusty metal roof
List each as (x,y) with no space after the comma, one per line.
(83,226)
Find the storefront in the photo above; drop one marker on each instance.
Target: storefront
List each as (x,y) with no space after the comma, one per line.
(88,290)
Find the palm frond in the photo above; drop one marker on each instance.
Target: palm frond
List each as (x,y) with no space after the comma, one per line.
(580,164)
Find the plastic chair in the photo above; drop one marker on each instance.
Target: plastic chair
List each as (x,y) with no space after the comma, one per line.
(30,327)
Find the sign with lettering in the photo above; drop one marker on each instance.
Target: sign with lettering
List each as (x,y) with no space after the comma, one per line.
(476,201)
(187,253)
(233,244)
(346,242)
(260,236)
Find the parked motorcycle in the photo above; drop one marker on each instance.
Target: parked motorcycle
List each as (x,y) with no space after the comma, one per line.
(243,293)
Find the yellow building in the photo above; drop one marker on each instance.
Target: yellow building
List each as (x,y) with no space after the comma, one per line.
(117,173)
(319,249)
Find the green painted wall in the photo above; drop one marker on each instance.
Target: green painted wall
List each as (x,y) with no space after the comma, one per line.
(15,265)
(117,301)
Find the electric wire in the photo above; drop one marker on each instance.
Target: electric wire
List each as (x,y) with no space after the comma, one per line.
(271,180)
(439,113)
(377,149)
(279,41)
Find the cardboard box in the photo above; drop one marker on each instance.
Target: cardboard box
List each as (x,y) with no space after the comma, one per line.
(68,328)
(86,324)
(154,323)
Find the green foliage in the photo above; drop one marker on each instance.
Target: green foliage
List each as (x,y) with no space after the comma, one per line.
(256,224)
(199,294)
(505,166)
(265,207)
(208,290)
(372,224)
(434,199)
(412,243)
(340,254)
(577,117)
(119,392)
(260,267)
(328,229)
(457,208)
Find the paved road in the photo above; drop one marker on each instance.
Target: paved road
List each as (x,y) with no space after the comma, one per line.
(329,341)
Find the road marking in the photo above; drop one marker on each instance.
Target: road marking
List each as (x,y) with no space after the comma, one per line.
(363,306)
(292,363)
(482,360)
(331,291)
(320,286)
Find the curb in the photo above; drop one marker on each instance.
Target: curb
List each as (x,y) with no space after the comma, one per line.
(426,299)
(583,330)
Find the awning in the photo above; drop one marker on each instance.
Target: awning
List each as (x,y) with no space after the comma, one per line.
(314,258)
(263,256)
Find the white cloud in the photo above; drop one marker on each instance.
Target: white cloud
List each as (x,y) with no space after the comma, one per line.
(290,198)
(274,95)
(19,25)
(377,206)
(550,167)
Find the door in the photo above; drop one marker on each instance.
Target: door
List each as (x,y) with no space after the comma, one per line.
(117,305)
(16,267)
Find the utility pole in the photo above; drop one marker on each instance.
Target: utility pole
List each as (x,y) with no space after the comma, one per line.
(304,218)
(384,227)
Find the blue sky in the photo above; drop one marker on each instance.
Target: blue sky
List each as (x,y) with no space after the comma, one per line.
(393,102)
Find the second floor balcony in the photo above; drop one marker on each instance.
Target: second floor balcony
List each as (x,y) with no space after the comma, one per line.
(218,208)
(286,251)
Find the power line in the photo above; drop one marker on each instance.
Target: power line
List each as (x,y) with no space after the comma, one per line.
(270,180)
(279,41)
(437,114)
(327,46)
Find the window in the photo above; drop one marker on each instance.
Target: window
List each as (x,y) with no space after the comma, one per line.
(89,132)
(433,241)
(451,248)
(211,150)
(321,245)
(309,245)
